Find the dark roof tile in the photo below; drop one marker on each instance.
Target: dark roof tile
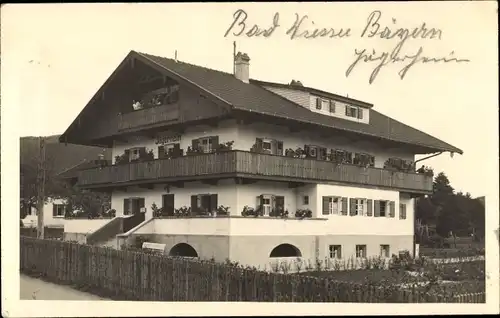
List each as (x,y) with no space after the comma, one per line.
(254,98)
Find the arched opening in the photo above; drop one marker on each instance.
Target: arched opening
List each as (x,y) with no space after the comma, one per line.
(184,250)
(285,250)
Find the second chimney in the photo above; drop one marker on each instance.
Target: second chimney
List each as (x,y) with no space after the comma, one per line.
(242,67)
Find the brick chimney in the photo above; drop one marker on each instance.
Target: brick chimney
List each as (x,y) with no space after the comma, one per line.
(242,67)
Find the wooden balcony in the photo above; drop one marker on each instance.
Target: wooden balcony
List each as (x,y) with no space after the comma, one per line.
(148,117)
(252,165)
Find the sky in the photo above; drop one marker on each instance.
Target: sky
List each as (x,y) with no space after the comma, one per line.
(55,57)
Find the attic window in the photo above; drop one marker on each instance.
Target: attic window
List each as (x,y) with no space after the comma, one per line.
(318,103)
(351,111)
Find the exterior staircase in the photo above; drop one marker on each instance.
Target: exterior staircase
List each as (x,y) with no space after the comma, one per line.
(106,235)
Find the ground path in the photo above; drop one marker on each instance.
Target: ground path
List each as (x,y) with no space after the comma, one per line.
(33,288)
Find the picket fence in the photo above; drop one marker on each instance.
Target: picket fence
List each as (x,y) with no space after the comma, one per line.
(131,275)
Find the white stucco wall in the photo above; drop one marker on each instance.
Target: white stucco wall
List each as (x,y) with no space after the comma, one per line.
(365,225)
(225,189)
(244,137)
(83,225)
(232,195)
(226,131)
(48,219)
(247,135)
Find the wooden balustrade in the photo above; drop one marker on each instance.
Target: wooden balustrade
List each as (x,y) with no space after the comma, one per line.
(242,163)
(148,116)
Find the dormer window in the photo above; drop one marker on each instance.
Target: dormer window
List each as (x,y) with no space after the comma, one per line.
(266,144)
(319,103)
(351,111)
(355,112)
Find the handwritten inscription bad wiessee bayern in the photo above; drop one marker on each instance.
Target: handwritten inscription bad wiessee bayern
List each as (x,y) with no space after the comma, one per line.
(372,29)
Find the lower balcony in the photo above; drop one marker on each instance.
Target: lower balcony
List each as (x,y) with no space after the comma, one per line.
(251,165)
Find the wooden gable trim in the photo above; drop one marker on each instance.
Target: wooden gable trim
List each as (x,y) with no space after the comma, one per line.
(212,97)
(131,57)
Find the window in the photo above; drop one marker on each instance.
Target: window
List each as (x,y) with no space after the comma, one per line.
(351,111)
(333,205)
(313,152)
(204,202)
(402,211)
(306,200)
(332,106)
(383,208)
(361,251)
(206,144)
(360,206)
(335,251)
(134,154)
(266,204)
(58,210)
(384,251)
(266,145)
(318,103)
(133,205)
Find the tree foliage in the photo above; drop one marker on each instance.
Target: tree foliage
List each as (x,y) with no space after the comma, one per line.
(452,214)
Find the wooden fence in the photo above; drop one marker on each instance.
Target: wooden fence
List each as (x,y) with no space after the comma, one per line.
(140,276)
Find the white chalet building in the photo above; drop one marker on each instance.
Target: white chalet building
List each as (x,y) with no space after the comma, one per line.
(224,158)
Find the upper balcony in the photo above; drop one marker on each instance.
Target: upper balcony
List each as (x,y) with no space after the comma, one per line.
(237,163)
(148,117)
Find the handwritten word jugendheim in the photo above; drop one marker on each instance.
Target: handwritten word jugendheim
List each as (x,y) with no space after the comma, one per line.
(374,29)
(305,28)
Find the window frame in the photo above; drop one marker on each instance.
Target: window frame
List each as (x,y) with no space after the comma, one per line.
(57,207)
(360,202)
(332,204)
(386,204)
(363,249)
(387,251)
(335,251)
(319,103)
(352,111)
(332,105)
(305,200)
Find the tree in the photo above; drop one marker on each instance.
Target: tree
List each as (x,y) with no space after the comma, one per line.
(441,189)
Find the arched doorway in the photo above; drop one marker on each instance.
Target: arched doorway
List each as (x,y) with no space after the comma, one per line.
(285,250)
(183,250)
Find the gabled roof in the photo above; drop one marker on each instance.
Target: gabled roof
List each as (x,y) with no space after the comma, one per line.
(253,97)
(72,172)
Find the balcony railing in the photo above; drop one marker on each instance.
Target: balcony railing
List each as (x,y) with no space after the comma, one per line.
(242,163)
(148,116)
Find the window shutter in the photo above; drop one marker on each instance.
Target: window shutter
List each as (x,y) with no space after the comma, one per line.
(344,206)
(177,150)
(392,212)
(360,113)
(404,212)
(213,202)
(326,205)
(306,150)
(260,202)
(195,143)
(347,110)
(194,203)
(332,106)
(279,145)
(352,207)
(376,207)
(161,152)
(322,153)
(369,210)
(141,203)
(280,201)
(54,210)
(127,154)
(318,103)
(258,143)
(126,206)
(215,142)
